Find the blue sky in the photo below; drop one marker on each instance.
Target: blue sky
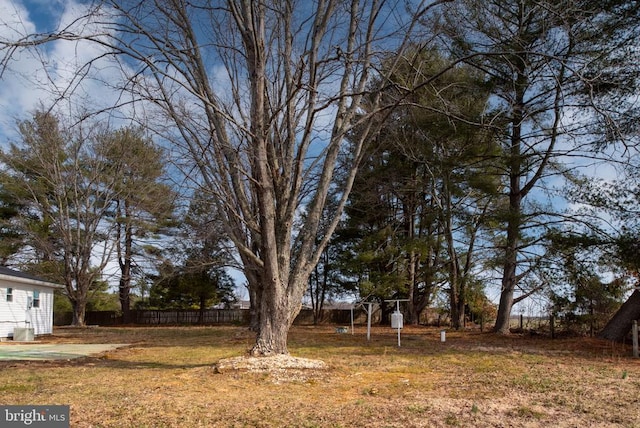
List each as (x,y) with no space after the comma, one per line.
(39,76)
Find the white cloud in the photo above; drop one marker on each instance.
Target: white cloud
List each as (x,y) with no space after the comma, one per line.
(50,71)
(16,93)
(15,19)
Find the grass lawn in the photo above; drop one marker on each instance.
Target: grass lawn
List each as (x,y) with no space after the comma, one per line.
(166,379)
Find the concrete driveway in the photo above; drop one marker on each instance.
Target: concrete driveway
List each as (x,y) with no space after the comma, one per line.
(53,351)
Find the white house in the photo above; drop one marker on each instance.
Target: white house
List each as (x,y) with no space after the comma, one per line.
(25,302)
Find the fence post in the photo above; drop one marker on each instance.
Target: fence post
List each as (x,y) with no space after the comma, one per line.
(521,321)
(634,335)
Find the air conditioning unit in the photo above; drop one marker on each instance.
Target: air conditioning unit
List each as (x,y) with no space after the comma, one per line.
(23,334)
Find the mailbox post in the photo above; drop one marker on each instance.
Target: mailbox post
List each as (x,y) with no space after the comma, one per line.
(397,321)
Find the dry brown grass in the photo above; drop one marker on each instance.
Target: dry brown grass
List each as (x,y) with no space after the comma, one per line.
(166,379)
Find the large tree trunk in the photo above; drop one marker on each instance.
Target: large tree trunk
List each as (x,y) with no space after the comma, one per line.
(273,322)
(509,278)
(504,311)
(514,220)
(125,301)
(79,311)
(457,303)
(78,296)
(619,326)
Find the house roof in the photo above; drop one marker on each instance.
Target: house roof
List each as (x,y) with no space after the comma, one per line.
(14,275)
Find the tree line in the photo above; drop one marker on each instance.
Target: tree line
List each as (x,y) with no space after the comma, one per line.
(395,151)
(78,199)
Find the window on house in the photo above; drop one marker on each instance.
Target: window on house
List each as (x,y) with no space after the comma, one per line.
(9,294)
(36,299)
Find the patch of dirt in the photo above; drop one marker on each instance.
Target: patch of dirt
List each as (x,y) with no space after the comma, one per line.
(281,368)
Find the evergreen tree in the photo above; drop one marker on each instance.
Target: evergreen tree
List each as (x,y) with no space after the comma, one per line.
(12,239)
(57,175)
(423,190)
(535,55)
(142,202)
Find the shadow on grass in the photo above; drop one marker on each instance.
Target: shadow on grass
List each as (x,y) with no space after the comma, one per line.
(106,362)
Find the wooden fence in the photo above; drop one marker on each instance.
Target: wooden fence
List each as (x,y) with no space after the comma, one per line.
(207,317)
(429,316)
(160,317)
(188,316)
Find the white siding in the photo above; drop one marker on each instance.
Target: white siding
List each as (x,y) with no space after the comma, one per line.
(15,313)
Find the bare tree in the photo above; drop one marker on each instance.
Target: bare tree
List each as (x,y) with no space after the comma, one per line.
(257,98)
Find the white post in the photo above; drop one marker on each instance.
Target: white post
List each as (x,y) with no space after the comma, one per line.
(634,335)
(369,305)
(398,311)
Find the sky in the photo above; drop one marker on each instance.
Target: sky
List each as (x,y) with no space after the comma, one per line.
(19,91)
(39,76)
